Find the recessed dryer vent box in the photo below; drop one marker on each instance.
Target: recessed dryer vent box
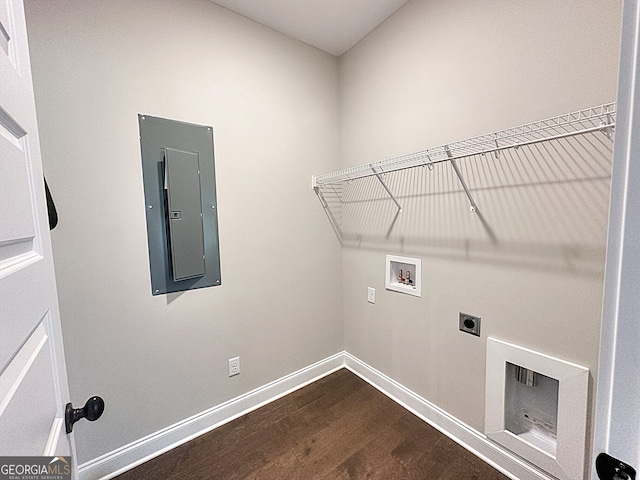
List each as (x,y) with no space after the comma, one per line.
(404,274)
(536,406)
(180,203)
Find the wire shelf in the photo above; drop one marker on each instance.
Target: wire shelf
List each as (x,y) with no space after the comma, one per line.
(593,119)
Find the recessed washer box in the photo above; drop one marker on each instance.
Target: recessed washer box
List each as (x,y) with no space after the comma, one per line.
(536,406)
(404,274)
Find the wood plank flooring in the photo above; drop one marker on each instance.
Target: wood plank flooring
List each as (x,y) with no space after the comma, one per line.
(339,427)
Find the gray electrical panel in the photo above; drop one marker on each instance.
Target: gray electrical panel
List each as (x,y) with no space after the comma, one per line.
(180,202)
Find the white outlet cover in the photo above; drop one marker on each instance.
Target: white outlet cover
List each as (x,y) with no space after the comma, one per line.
(234,366)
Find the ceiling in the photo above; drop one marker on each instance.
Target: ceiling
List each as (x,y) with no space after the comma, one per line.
(330,25)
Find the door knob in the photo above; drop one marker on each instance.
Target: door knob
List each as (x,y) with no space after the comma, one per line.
(609,468)
(92,411)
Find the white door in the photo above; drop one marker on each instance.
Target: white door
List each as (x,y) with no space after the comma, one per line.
(617,421)
(33,378)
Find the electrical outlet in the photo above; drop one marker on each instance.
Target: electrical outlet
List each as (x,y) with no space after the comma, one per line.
(371,295)
(234,366)
(469,324)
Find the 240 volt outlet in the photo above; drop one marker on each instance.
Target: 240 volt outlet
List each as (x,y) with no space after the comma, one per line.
(469,324)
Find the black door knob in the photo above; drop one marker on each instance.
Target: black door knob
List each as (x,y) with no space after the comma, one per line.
(609,468)
(92,411)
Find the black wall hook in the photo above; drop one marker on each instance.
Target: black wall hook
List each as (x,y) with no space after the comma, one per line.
(92,411)
(51,207)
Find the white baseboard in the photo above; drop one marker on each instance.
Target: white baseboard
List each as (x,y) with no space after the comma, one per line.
(127,457)
(118,461)
(474,441)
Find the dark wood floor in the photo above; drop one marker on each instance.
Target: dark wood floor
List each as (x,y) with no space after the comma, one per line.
(339,427)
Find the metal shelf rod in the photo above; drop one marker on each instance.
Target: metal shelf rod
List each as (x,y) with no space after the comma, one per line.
(473,208)
(377,174)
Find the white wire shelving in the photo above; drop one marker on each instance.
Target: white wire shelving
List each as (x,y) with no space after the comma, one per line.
(599,118)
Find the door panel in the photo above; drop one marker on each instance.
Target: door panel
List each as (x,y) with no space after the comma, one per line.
(14,185)
(28,377)
(5,29)
(33,379)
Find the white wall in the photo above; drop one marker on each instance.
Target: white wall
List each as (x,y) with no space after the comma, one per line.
(440,71)
(273,103)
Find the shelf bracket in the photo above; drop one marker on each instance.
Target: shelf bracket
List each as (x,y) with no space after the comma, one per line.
(473,207)
(430,164)
(608,130)
(327,210)
(381,180)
